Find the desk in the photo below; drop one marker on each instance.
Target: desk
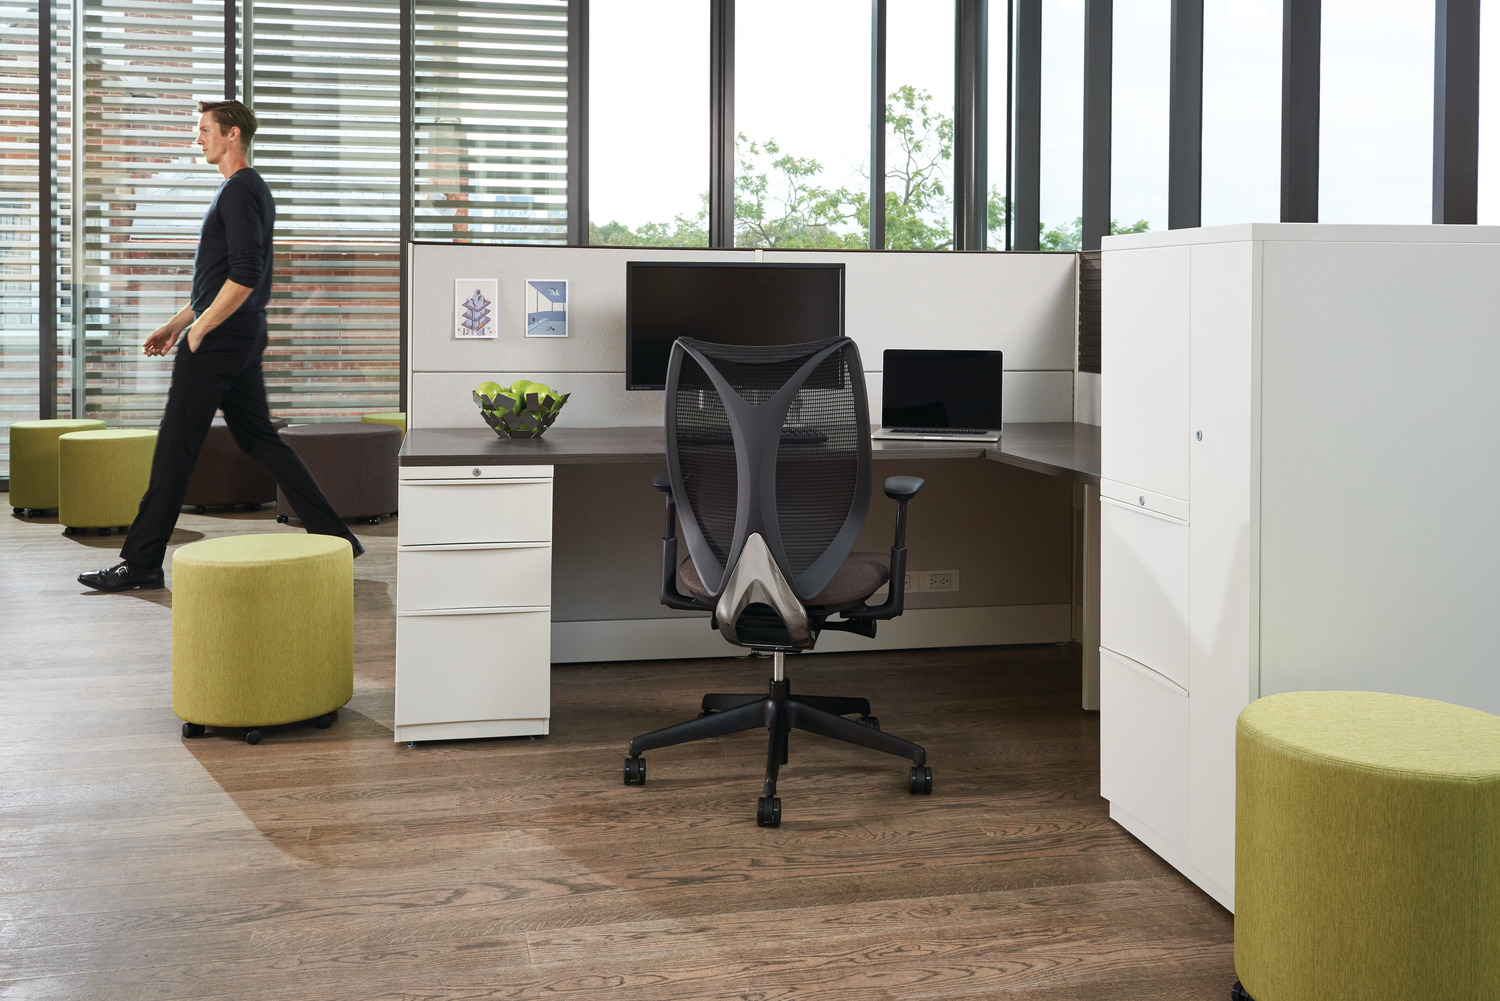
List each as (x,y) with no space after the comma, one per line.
(474,560)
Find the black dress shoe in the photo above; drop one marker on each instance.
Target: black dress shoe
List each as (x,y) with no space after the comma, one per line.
(122,577)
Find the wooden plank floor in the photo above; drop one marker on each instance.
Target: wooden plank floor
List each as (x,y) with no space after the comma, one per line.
(337,864)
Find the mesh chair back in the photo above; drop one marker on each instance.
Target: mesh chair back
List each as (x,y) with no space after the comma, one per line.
(772,440)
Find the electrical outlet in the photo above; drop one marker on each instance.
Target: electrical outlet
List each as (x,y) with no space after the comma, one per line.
(939,580)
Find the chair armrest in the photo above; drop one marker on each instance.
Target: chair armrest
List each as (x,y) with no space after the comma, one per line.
(900,489)
(670,596)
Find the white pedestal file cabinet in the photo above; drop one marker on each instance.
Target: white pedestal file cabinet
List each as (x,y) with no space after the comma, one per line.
(1300,451)
(474,602)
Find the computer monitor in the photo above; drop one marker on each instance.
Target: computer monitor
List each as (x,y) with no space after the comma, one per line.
(725,302)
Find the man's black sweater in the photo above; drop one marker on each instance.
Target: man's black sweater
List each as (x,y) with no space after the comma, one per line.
(236,245)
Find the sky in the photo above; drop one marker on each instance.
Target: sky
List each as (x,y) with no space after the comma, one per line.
(802,79)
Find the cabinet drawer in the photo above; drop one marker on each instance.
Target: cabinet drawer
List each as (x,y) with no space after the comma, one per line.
(470,473)
(514,574)
(471,667)
(482,511)
(1143,746)
(1143,588)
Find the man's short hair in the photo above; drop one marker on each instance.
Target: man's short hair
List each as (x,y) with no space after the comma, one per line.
(230,114)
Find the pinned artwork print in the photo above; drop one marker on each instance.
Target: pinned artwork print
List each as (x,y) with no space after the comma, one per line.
(546,307)
(474,307)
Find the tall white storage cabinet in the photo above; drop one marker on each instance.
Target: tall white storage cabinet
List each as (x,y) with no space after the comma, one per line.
(1301,451)
(474,605)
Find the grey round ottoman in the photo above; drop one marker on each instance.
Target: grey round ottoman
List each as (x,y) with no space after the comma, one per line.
(224,476)
(354,464)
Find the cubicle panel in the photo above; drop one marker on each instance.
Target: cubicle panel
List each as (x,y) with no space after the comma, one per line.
(1024,304)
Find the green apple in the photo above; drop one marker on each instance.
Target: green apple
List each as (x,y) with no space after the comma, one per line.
(489,389)
(519,386)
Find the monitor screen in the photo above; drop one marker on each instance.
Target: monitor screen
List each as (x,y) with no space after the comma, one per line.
(729,303)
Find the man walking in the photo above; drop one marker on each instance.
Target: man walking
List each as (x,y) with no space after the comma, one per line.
(223,334)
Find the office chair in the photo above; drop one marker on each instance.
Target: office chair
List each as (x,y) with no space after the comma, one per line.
(768,455)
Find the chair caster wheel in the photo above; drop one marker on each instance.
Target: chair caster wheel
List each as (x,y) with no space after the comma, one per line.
(281,519)
(326,720)
(768,811)
(920,780)
(873,722)
(192,729)
(252,736)
(635,770)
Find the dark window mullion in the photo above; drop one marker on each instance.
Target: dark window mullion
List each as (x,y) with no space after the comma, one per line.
(1455,114)
(1098,69)
(1185,145)
(1301,75)
(877,124)
(721,123)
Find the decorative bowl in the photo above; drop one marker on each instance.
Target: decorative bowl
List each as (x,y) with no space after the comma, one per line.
(524,418)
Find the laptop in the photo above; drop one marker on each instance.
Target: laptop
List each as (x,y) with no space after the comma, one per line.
(945,395)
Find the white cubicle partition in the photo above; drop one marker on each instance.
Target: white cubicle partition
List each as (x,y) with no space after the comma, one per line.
(1024,304)
(1007,533)
(1299,443)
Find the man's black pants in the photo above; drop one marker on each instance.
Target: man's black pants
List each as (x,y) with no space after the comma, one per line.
(224,373)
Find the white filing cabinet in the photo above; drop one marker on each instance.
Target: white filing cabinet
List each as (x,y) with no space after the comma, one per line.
(474,603)
(1299,432)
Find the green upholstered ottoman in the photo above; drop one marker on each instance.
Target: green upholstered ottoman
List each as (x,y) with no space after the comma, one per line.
(1367,849)
(33,461)
(395,419)
(262,631)
(102,476)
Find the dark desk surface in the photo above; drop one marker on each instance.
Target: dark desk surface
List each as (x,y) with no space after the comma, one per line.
(1061,449)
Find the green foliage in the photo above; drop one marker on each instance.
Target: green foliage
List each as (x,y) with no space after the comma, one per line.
(779,204)
(1070,237)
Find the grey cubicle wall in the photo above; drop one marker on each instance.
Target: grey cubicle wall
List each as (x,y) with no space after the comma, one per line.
(1006,532)
(1024,304)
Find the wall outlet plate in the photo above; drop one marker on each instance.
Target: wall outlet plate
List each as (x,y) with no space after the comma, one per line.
(938,580)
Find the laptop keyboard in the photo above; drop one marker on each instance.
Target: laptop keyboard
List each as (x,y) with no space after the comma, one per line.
(941,430)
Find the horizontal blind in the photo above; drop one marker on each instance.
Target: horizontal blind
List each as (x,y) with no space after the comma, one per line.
(144,187)
(20,222)
(491,121)
(325,84)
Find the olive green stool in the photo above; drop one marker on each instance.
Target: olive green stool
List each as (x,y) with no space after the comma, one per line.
(1367,849)
(102,476)
(396,420)
(262,631)
(33,462)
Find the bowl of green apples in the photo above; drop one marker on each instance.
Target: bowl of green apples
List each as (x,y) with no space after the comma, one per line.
(523,410)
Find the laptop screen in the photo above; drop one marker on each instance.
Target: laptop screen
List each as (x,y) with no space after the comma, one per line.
(924,388)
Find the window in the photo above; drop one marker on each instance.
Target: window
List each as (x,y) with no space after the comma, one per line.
(492,121)
(1242,112)
(325,85)
(144,190)
(802,177)
(919,126)
(1375,120)
(648,123)
(1062,124)
(1141,97)
(1489,115)
(20,194)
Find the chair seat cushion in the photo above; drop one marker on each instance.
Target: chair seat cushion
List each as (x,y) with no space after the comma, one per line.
(859,577)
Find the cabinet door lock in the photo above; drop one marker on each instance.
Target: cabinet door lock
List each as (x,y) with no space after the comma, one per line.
(476,472)
(1199,435)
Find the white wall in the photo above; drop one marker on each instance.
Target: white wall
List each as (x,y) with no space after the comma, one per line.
(1024,304)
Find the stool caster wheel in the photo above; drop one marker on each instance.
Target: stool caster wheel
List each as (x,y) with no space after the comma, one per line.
(18,510)
(325,721)
(919,780)
(768,811)
(192,729)
(873,722)
(106,531)
(635,770)
(200,509)
(252,736)
(1238,993)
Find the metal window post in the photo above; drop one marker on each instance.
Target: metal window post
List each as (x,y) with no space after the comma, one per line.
(721,124)
(877,124)
(1185,145)
(1301,70)
(1455,114)
(970,124)
(1098,118)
